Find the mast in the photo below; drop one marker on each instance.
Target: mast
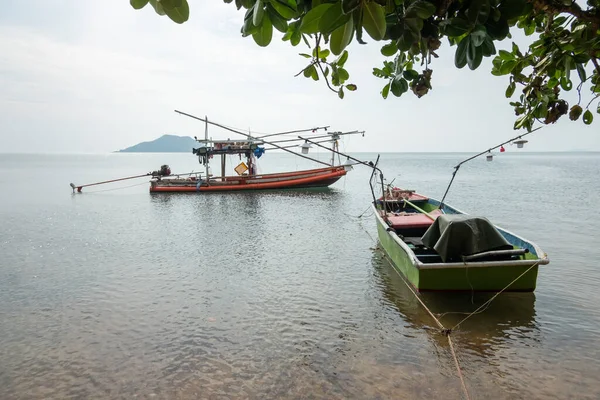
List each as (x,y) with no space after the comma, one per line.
(334,146)
(206,144)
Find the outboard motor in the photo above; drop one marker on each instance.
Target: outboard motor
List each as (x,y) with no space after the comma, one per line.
(165,170)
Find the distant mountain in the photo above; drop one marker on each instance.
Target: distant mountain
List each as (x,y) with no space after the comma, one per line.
(164,144)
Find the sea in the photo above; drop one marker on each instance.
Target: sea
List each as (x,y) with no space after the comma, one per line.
(117,293)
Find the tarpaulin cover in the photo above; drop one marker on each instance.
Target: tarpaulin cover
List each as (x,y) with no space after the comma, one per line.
(454,236)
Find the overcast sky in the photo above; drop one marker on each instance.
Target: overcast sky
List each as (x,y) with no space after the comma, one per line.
(97,76)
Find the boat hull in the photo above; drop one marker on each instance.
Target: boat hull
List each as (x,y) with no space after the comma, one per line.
(317,178)
(488,276)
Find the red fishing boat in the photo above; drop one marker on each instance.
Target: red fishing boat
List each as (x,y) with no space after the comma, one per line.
(246,175)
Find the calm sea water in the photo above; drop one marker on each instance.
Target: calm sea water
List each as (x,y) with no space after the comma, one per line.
(122,294)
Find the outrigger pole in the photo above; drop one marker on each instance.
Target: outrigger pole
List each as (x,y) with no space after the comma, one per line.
(477,155)
(164,170)
(251,137)
(101,183)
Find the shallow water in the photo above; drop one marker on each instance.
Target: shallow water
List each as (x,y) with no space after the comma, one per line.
(121,294)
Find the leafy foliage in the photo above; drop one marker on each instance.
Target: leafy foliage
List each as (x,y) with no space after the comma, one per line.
(566,48)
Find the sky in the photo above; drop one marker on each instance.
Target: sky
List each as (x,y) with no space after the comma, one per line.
(99,76)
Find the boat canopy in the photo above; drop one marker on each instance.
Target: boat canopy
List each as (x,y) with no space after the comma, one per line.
(455,236)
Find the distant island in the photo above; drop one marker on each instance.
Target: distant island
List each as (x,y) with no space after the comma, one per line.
(164,144)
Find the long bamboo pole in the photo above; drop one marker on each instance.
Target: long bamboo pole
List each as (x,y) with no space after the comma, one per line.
(79,187)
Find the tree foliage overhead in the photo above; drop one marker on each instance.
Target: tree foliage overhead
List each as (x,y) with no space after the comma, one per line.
(563,56)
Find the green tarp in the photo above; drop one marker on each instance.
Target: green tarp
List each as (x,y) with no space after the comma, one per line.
(453,236)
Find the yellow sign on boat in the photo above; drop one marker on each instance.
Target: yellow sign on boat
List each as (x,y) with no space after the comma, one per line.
(241,168)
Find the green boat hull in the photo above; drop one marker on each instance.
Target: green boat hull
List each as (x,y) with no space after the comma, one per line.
(457,276)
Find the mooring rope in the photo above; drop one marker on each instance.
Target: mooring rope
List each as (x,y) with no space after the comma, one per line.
(446,332)
(495,295)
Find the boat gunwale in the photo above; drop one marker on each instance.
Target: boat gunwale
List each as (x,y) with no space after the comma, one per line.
(478,264)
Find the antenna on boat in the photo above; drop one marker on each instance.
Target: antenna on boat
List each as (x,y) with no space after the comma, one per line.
(488,151)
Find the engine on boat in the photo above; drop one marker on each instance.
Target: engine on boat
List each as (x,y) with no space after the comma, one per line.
(164,170)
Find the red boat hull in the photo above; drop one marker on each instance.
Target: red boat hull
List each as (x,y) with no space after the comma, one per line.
(322,177)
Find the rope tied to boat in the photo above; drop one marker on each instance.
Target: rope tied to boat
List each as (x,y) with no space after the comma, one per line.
(487,303)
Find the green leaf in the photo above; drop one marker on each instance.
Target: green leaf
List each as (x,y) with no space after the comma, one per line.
(478,11)
(566,83)
(341,37)
(305,55)
(474,56)
(342,59)
(498,30)
(588,117)
(488,47)
(399,86)
(264,34)
(455,26)
(310,22)
(507,67)
(581,72)
(138,4)
(314,74)
(386,91)
(389,49)
(333,18)
(510,90)
(460,57)
(171,4)
(248,28)
(405,42)
(478,35)
(512,8)
(420,8)
(351,87)
(374,20)
(341,92)
(259,11)
(529,29)
(505,55)
(410,74)
(286,8)
(277,20)
(311,72)
(350,5)
(178,14)
(343,74)
(520,122)
(157,7)
(552,83)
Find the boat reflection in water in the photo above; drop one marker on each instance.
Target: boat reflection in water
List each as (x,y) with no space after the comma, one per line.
(510,317)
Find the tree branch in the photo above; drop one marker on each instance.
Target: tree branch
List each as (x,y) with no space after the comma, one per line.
(573,9)
(325,77)
(595,62)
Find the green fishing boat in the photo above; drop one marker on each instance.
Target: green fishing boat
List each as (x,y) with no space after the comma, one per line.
(437,247)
